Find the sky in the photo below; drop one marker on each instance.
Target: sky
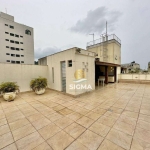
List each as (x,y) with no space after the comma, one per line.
(62,24)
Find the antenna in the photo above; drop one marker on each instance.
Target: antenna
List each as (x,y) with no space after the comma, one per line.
(6,10)
(93,37)
(106,28)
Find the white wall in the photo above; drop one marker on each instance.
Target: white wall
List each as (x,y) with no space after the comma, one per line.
(77,63)
(22,74)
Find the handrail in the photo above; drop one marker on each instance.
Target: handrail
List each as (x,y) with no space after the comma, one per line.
(103,39)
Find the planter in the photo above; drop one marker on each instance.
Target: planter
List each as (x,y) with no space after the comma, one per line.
(9,96)
(41,91)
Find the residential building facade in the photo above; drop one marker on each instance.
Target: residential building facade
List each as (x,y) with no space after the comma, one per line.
(16,41)
(130,67)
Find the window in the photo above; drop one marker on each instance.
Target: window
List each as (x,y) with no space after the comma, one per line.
(7,54)
(6,32)
(7,46)
(21,36)
(13,55)
(11,41)
(6,39)
(16,42)
(13,62)
(17,49)
(69,63)
(11,34)
(22,61)
(12,48)
(7,60)
(12,27)
(28,32)
(17,55)
(22,49)
(22,55)
(17,62)
(53,74)
(6,24)
(21,42)
(16,35)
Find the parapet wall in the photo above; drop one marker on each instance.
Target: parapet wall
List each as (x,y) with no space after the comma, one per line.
(22,74)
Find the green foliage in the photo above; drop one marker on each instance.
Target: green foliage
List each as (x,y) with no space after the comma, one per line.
(38,83)
(7,87)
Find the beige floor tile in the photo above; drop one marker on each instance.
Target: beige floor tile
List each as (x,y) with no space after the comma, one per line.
(6,139)
(90,140)
(2,116)
(131,108)
(55,116)
(74,116)
(10,147)
(130,114)
(145,112)
(82,111)
(47,112)
(35,117)
(107,145)
(93,115)
(23,131)
(143,124)
(38,124)
(58,107)
(144,118)
(49,130)
(100,129)
(29,142)
(127,120)
(65,111)
(99,110)
(18,124)
(60,141)
(43,146)
(138,144)
(116,110)
(121,139)
(76,146)
(142,134)
(108,121)
(124,127)
(112,114)
(85,121)
(63,122)
(74,130)
(3,122)
(15,117)
(4,129)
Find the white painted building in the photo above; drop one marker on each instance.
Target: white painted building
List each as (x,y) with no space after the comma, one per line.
(16,41)
(76,71)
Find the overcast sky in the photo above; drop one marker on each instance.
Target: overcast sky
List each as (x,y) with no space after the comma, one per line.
(62,24)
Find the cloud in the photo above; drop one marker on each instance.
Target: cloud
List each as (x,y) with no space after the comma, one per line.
(39,53)
(95,21)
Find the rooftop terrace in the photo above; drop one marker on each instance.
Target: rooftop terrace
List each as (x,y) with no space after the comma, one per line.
(114,117)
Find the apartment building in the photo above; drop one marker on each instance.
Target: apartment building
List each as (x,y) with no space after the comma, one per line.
(130,67)
(16,41)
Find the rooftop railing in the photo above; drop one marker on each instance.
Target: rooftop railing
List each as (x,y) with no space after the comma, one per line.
(104,39)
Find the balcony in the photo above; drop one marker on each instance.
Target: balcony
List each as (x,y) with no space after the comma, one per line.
(103,39)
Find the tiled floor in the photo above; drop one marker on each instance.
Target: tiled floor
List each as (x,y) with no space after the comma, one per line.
(116,117)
